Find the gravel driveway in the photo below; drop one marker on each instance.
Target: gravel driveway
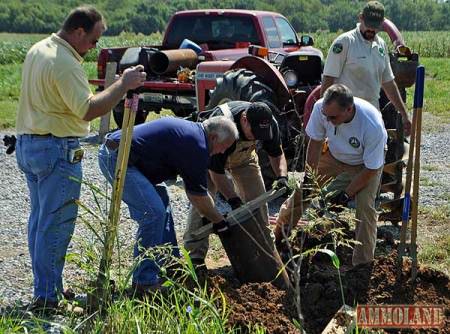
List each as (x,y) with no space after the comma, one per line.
(15,270)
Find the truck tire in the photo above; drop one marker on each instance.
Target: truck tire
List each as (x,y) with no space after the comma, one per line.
(118,111)
(309,104)
(245,85)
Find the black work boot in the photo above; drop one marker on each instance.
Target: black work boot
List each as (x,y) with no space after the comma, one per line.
(200,270)
(142,291)
(42,306)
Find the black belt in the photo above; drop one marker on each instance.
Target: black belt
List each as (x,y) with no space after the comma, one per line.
(50,135)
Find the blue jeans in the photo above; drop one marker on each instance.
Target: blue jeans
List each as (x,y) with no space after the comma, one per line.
(150,207)
(44,160)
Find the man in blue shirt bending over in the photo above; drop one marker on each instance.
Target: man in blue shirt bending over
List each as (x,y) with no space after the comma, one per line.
(160,151)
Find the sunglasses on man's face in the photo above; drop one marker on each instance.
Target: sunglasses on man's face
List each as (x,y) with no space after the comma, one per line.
(371,29)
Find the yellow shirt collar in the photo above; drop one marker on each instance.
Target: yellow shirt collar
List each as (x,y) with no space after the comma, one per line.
(64,43)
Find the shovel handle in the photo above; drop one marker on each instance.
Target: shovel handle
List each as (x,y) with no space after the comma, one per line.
(245,210)
(418,104)
(411,166)
(418,91)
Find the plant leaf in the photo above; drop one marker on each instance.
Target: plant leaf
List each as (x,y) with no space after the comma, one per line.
(334,257)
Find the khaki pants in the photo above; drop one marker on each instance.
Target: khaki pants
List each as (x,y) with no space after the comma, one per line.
(248,181)
(366,215)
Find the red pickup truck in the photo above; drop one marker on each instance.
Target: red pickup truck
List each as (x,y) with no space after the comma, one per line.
(222,35)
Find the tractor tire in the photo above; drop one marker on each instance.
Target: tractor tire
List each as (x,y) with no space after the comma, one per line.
(393,120)
(118,112)
(245,85)
(396,149)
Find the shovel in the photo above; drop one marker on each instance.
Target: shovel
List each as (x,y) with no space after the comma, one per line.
(413,167)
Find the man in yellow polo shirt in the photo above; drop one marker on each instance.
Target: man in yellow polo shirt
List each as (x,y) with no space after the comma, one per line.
(55,107)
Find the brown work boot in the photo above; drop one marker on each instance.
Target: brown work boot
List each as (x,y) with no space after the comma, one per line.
(174,271)
(68,294)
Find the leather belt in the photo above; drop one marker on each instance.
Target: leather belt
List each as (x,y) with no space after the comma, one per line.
(49,135)
(44,135)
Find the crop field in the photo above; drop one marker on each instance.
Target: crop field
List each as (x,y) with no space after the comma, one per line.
(13,47)
(433,48)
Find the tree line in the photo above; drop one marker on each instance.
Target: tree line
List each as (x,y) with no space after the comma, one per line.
(145,16)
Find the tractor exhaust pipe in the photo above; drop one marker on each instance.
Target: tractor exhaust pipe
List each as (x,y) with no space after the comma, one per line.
(169,61)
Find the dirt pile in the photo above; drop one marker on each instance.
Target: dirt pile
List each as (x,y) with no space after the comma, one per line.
(256,303)
(321,294)
(369,284)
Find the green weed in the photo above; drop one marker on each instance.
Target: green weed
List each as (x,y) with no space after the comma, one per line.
(186,307)
(436,252)
(431,168)
(427,182)
(434,215)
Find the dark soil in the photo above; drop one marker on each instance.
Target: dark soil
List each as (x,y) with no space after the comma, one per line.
(370,284)
(321,296)
(258,303)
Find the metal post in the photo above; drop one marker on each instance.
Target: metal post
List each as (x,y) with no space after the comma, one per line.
(131,104)
(105,119)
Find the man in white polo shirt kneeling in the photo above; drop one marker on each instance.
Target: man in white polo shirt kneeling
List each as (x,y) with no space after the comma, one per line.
(357,139)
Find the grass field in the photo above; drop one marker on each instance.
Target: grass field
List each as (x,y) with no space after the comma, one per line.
(437,89)
(13,47)
(433,48)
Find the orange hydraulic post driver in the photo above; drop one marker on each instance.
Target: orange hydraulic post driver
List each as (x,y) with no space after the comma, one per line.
(103,286)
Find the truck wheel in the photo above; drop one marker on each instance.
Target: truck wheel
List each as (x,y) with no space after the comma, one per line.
(118,111)
(245,85)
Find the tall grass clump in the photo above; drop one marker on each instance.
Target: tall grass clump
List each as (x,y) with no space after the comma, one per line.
(183,306)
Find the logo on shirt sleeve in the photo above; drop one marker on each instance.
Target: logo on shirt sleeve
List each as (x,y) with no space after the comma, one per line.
(337,48)
(381,51)
(354,142)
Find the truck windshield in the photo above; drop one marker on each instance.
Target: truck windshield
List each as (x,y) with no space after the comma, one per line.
(217,31)
(288,35)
